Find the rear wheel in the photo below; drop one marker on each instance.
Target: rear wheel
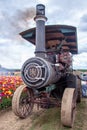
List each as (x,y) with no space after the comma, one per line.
(68,107)
(79,90)
(22,102)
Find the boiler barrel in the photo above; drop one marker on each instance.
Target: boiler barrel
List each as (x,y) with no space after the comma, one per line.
(37,72)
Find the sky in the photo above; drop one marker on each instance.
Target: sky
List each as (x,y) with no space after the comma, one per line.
(18,15)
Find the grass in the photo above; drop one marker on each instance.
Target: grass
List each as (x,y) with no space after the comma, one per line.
(50,119)
(80,116)
(46,120)
(5,103)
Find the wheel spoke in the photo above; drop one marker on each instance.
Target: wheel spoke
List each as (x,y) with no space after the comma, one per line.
(22,102)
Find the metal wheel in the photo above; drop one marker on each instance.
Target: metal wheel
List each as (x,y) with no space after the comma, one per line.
(68,107)
(22,101)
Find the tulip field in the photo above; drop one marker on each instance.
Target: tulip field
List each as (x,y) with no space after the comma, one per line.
(8,85)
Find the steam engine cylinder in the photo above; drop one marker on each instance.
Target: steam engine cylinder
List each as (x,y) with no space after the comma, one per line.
(37,72)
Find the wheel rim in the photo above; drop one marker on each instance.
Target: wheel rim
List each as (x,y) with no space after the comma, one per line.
(23,101)
(73,109)
(79,91)
(68,107)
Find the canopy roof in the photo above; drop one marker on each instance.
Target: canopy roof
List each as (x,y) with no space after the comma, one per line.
(55,34)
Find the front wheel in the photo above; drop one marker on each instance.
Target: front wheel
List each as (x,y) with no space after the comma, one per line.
(22,101)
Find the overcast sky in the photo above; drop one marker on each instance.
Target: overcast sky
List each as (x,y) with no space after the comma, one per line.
(17,16)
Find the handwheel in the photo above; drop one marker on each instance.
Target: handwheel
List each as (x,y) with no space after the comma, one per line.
(22,101)
(68,107)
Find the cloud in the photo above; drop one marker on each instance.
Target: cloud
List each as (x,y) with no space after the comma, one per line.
(83,23)
(17,22)
(17,16)
(84,18)
(13,20)
(14,55)
(80,61)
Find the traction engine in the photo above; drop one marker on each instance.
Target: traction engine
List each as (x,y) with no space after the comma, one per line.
(48,77)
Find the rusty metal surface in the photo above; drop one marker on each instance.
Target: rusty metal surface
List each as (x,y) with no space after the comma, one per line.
(54,35)
(44,100)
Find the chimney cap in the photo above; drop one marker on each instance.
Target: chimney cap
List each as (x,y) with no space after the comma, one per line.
(40,9)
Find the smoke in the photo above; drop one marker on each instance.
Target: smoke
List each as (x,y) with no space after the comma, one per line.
(26,14)
(20,21)
(22,18)
(11,43)
(13,24)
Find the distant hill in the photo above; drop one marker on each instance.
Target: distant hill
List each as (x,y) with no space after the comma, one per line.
(6,71)
(81,70)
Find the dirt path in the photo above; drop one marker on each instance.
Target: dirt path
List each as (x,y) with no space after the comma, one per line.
(8,121)
(85,120)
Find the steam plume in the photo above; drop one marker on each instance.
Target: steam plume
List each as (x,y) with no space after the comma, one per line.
(22,19)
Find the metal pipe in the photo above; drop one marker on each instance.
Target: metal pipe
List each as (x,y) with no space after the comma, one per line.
(40,19)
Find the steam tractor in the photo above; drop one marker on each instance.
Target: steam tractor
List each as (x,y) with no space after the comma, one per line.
(48,77)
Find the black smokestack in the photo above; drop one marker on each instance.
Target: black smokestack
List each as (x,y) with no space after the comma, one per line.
(40,31)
